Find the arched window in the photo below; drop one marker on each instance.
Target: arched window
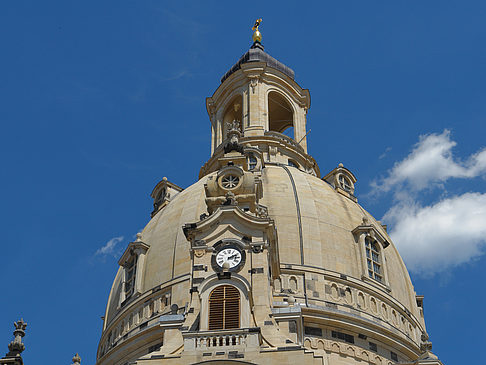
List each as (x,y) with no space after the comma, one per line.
(252,162)
(345,183)
(224,308)
(280,113)
(373,259)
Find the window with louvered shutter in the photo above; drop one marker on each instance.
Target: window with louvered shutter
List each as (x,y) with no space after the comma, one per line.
(224,308)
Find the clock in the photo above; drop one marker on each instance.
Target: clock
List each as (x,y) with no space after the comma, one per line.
(230,253)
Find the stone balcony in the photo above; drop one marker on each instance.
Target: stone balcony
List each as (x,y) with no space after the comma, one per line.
(235,339)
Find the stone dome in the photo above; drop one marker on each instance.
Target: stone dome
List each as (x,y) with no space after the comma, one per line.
(322,227)
(312,275)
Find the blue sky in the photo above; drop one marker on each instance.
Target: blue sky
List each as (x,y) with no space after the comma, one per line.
(100,100)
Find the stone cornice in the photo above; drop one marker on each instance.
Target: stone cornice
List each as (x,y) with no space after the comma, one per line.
(371,230)
(231,211)
(271,139)
(132,247)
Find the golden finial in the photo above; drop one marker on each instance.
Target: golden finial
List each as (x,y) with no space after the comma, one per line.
(257,36)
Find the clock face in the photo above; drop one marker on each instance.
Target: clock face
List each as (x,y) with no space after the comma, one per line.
(229,254)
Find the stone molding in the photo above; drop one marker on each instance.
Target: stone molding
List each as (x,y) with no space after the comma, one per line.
(158,296)
(399,327)
(346,350)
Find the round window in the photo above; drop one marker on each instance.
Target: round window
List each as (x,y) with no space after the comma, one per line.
(230,181)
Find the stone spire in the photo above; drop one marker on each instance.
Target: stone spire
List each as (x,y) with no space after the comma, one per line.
(76,359)
(15,347)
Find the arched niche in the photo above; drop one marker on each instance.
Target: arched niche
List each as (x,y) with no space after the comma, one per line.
(237,282)
(233,111)
(280,114)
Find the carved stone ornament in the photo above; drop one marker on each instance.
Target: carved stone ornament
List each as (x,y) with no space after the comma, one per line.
(16,346)
(76,359)
(199,253)
(211,108)
(253,83)
(230,199)
(261,211)
(257,247)
(426,348)
(233,135)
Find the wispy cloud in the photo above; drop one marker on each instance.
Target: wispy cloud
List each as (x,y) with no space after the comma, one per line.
(177,76)
(110,248)
(446,233)
(383,155)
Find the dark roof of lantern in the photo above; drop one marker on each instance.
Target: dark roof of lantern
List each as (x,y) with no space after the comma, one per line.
(257,54)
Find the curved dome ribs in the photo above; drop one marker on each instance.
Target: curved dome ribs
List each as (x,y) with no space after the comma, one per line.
(261,260)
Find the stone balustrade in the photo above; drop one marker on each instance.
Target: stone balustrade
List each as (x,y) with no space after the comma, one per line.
(133,319)
(203,340)
(285,139)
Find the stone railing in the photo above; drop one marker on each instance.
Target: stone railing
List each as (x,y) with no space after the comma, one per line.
(285,139)
(133,319)
(203,340)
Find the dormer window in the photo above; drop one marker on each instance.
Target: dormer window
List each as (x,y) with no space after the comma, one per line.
(342,180)
(372,242)
(130,270)
(133,265)
(160,198)
(163,193)
(345,183)
(373,259)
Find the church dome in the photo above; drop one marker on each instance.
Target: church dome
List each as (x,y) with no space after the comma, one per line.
(261,260)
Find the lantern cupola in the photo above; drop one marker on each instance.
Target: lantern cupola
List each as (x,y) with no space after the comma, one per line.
(261,94)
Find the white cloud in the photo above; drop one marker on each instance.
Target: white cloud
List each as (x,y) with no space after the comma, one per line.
(435,238)
(431,163)
(110,247)
(448,232)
